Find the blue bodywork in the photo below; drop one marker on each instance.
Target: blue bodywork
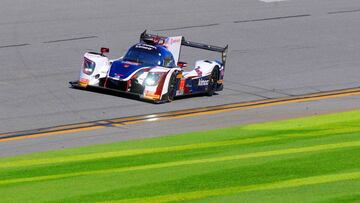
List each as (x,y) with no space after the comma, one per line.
(121,69)
(139,56)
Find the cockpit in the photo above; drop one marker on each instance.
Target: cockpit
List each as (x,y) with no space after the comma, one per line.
(151,55)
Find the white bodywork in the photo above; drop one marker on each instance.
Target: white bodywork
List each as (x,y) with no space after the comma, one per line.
(102,65)
(202,68)
(173,44)
(158,69)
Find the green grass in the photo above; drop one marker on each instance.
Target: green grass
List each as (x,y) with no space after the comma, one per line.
(314,159)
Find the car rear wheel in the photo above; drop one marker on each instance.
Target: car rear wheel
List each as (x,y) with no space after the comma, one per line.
(171,87)
(213,82)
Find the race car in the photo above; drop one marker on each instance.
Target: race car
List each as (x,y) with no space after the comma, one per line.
(151,69)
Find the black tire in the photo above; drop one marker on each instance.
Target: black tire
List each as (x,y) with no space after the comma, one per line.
(102,82)
(171,87)
(213,82)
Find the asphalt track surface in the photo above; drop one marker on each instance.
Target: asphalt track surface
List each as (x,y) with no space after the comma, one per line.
(276,50)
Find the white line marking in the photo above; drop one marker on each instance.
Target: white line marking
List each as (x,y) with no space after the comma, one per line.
(271,1)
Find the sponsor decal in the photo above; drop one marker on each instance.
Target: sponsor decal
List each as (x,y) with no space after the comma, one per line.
(130,63)
(172,40)
(118,75)
(145,46)
(203,82)
(176,40)
(179,92)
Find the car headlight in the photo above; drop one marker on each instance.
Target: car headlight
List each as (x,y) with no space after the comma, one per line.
(141,76)
(88,66)
(153,79)
(150,82)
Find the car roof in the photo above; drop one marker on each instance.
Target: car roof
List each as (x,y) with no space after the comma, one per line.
(152,48)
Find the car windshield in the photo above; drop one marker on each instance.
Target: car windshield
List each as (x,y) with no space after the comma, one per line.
(150,55)
(146,57)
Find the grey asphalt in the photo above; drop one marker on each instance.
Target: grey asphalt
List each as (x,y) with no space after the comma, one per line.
(180,125)
(276,49)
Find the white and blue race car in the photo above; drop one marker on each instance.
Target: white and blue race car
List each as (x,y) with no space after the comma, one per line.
(151,69)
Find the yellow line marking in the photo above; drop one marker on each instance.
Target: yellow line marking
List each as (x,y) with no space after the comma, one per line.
(291,183)
(58,128)
(262,105)
(52,133)
(263,154)
(188,113)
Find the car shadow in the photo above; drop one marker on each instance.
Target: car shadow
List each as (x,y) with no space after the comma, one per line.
(131,95)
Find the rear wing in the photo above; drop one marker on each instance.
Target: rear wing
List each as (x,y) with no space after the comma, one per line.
(174,44)
(222,50)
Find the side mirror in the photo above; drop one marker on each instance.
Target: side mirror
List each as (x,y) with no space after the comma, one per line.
(182,64)
(104,50)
